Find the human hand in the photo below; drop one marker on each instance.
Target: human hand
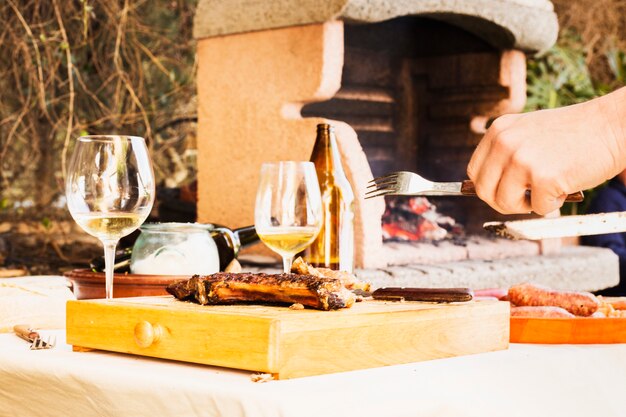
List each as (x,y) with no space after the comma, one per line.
(550,152)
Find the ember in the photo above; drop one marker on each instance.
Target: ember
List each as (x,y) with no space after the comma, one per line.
(417,219)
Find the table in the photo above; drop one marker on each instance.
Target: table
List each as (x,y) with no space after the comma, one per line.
(526,380)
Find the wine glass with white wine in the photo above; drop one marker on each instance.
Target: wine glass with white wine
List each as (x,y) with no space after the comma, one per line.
(288,209)
(110,190)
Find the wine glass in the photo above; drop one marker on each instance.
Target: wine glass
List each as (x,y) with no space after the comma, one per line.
(288,209)
(110,190)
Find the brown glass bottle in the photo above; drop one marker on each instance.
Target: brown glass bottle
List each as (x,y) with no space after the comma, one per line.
(334,246)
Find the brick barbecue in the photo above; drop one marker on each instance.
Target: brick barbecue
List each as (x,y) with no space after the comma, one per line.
(407,84)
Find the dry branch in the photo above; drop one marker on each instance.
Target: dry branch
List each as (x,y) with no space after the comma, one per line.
(94,66)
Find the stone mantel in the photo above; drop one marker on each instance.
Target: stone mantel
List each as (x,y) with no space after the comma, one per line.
(528,25)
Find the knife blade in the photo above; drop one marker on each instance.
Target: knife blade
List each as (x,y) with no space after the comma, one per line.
(435,295)
(565,226)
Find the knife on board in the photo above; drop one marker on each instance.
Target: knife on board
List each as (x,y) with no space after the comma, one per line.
(565,226)
(433,295)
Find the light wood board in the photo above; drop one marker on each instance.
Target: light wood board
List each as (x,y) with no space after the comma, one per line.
(288,343)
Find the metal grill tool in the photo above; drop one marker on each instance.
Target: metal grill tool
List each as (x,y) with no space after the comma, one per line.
(409,183)
(36,341)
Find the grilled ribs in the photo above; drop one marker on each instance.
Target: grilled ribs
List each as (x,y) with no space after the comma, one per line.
(230,288)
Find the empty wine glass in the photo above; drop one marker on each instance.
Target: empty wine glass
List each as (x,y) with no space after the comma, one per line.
(288,209)
(110,190)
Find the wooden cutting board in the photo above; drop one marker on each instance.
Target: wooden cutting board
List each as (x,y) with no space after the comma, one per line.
(288,343)
(581,330)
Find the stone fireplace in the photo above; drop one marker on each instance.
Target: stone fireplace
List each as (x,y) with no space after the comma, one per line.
(408,85)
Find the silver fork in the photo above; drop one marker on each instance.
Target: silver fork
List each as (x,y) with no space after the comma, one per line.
(36,341)
(409,183)
(39,343)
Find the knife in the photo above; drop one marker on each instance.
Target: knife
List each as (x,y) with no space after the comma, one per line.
(544,228)
(434,295)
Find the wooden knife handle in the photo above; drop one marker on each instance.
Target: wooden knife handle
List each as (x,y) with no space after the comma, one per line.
(436,295)
(467,188)
(25,332)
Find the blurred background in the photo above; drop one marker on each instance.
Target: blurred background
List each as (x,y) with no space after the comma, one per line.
(136,67)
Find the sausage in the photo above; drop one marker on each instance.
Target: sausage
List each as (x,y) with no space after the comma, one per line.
(540,311)
(577,303)
(498,293)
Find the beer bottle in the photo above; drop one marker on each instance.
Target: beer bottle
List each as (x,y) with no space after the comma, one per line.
(334,246)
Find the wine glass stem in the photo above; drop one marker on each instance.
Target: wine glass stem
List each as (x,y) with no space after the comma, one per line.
(109,264)
(287,261)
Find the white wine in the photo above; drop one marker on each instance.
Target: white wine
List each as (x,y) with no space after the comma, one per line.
(109,226)
(287,241)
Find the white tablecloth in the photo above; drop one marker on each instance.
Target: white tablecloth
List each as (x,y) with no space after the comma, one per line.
(526,380)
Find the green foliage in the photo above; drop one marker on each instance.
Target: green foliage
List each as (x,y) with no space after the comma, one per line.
(561,77)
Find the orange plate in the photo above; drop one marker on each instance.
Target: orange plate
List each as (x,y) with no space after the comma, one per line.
(567,330)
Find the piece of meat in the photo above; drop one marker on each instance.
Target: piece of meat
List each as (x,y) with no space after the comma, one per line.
(186,289)
(351,282)
(230,288)
(577,303)
(498,293)
(485,298)
(298,266)
(541,312)
(618,303)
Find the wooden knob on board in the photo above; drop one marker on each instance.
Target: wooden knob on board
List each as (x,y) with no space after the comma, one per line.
(147,334)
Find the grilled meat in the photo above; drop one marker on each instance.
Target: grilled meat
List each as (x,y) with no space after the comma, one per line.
(351,282)
(579,303)
(230,288)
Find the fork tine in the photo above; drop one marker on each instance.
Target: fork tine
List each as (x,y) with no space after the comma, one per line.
(367,197)
(35,344)
(378,193)
(384,178)
(384,187)
(382,184)
(39,343)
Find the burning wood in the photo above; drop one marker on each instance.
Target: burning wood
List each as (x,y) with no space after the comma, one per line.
(416,218)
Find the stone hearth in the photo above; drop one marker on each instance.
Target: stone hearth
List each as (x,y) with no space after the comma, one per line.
(578,268)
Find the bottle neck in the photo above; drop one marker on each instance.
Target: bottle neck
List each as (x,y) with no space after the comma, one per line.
(246,235)
(326,153)
(326,150)
(229,242)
